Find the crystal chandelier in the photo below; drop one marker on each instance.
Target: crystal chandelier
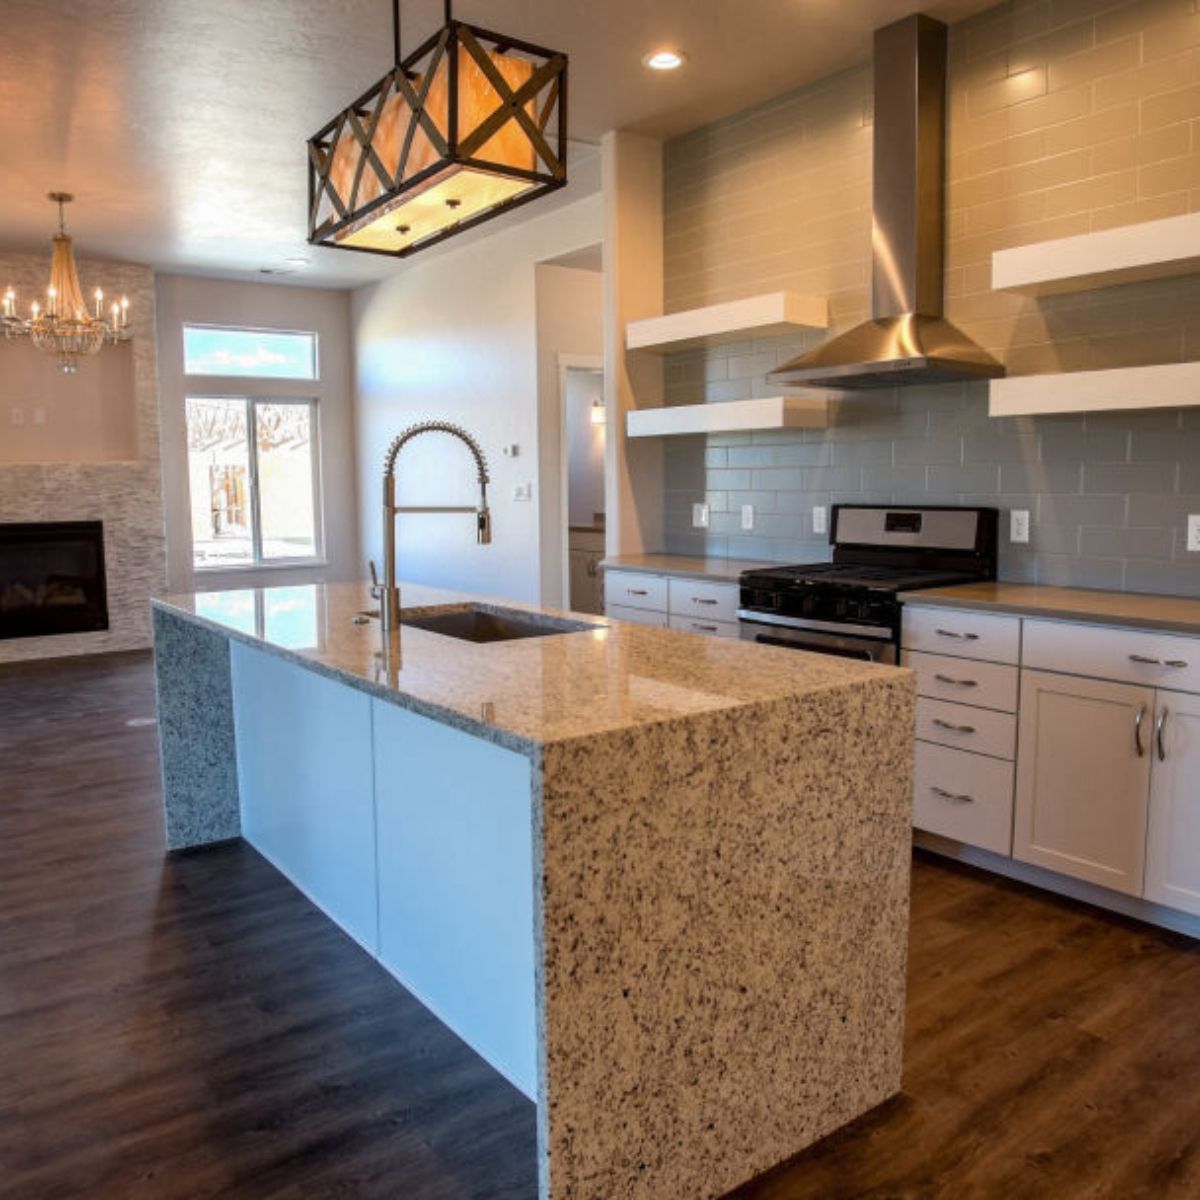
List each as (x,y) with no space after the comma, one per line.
(466,127)
(64,327)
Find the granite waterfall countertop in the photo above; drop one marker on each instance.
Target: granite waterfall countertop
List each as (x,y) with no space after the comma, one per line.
(523,694)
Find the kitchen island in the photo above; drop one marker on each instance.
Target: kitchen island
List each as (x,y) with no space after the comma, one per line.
(659,881)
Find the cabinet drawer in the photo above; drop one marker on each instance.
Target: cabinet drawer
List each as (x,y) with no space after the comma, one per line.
(639,616)
(962,727)
(728,629)
(699,598)
(963,634)
(630,590)
(1126,655)
(964,796)
(984,685)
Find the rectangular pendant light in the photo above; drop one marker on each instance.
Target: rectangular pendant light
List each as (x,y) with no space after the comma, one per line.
(469,126)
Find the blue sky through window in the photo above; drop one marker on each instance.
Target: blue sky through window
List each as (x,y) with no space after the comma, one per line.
(254,353)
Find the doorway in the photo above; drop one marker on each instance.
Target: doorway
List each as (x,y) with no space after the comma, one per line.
(584,438)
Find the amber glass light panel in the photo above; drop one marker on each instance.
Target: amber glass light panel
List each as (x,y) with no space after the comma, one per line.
(450,196)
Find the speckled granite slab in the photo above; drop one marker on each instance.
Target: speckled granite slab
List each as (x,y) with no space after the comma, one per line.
(724,949)
(721,839)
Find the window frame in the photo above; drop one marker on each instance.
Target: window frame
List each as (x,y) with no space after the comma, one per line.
(275,379)
(251,403)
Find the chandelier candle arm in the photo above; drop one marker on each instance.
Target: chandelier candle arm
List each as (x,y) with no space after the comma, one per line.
(65,329)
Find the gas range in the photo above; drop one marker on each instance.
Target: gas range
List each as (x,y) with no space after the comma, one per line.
(849,605)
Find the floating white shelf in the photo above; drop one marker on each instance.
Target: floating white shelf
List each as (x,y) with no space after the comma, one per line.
(729,416)
(1169,385)
(758,316)
(1151,250)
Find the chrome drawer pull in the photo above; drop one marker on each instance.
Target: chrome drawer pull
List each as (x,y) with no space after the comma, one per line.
(957,797)
(965,637)
(1158,733)
(1157,662)
(952,727)
(705,628)
(637,591)
(702,600)
(957,682)
(1137,732)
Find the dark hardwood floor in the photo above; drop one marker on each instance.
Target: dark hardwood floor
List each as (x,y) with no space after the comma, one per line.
(192,1027)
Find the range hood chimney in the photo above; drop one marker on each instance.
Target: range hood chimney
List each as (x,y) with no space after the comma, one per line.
(907,340)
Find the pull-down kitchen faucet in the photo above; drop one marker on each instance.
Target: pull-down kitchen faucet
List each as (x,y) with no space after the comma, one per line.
(387,593)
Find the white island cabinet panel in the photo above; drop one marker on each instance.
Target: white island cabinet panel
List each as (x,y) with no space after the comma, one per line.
(304,774)
(456,923)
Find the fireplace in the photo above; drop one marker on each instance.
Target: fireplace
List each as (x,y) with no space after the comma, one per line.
(52,579)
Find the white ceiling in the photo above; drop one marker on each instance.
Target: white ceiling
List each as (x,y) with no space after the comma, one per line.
(180,125)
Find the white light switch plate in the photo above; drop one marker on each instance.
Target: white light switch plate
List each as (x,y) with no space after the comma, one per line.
(699,516)
(1194,531)
(820,519)
(1018,526)
(747,516)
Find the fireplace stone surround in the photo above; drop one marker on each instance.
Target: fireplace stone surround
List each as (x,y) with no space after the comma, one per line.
(126,496)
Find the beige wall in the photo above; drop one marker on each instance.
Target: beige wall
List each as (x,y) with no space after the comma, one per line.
(569,322)
(454,337)
(183,299)
(1064,116)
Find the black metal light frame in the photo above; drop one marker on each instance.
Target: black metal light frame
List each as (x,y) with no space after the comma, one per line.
(545,92)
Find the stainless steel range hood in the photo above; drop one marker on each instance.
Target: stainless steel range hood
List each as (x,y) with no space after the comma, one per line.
(907,341)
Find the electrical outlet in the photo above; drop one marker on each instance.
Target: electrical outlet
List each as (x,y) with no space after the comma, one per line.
(1018,526)
(820,519)
(510,451)
(39,416)
(699,516)
(1194,531)
(18,416)
(747,516)
(523,491)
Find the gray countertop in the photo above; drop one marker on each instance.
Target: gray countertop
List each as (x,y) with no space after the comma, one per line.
(1172,614)
(719,570)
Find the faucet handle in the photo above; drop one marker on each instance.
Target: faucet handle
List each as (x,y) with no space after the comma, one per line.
(376,590)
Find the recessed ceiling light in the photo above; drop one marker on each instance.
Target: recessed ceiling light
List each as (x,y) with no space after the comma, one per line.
(664,60)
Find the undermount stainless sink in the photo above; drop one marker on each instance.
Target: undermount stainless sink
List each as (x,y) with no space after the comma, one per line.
(476,623)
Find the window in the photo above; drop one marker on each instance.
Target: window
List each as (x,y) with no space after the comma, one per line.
(250,353)
(253,479)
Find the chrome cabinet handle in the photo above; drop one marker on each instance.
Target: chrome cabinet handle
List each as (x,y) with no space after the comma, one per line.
(702,600)
(957,682)
(957,797)
(1158,662)
(952,727)
(964,637)
(1160,725)
(637,591)
(705,628)
(1137,732)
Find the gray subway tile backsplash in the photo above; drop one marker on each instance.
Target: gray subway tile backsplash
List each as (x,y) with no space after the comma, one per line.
(1109,494)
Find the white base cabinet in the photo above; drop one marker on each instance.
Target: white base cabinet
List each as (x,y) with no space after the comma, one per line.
(1173,844)
(701,606)
(1083,778)
(1107,752)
